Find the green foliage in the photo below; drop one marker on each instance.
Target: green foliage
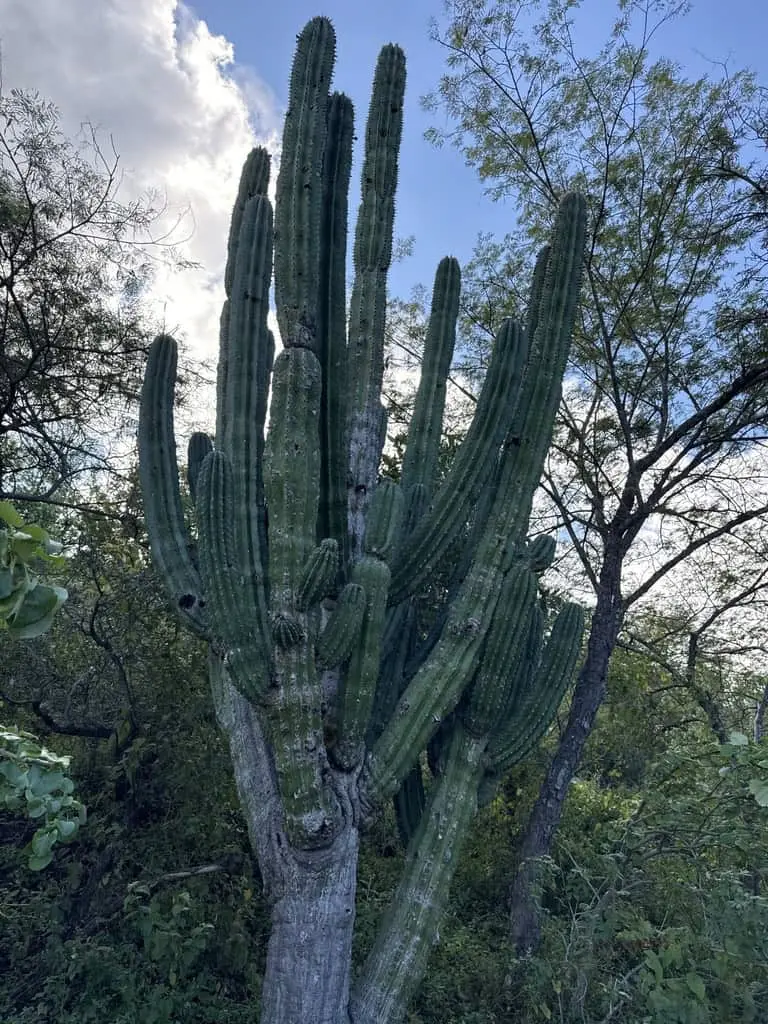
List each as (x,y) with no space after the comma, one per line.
(163,970)
(73,267)
(104,934)
(33,782)
(27,606)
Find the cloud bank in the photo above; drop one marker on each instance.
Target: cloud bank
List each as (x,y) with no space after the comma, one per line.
(182,116)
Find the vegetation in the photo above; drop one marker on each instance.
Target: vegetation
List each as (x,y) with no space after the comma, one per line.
(650,900)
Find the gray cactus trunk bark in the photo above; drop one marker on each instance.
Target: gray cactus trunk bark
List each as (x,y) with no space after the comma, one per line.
(312,894)
(525,905)
(310,948)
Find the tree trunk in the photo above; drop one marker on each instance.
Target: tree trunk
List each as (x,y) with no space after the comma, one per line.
(525,907)
(758,726)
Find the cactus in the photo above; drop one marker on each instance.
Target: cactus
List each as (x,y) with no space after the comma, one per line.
(307,571)
(319,575)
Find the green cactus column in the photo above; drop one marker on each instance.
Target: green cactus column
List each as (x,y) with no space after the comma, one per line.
(496,725)
(372,255)
(398,960)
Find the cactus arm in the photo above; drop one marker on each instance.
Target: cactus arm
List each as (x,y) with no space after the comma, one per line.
(437,687)
(372,254)
(371,572)
(504,651)
(541,552)
(254,181)
(423,444)
(528,722)
(471,467)
(404,941)
(222,372)
(537,289)
(337,640)
(244,394)
(318,576)
(385,520)
(237,633)
(197,449)
(332,519)
(418,474)
(530,434)
(299,202)
(170,543)
(358,686)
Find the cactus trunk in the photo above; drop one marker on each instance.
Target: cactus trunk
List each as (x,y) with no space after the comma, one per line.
(310,946)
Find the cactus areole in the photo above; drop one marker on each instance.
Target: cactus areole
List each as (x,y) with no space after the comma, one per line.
(305,568)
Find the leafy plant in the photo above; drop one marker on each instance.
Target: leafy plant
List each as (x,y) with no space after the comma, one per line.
(33,780)
(27,606)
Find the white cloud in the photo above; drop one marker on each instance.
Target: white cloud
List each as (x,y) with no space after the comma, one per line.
(182,115)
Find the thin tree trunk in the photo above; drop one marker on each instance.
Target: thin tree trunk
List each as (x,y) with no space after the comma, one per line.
(758,726)
(705,700)
(525,910)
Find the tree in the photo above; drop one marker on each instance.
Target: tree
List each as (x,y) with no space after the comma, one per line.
(659,444)
(74,261)
(31,777)
(307,566)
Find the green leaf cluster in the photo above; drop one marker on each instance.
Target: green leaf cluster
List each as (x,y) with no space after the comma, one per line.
(33,781)
(27,606)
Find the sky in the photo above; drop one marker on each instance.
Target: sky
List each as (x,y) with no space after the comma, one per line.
(184,90)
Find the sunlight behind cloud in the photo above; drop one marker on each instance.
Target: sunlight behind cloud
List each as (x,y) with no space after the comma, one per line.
(151,77)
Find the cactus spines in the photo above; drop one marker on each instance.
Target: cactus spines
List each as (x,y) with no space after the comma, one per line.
(384,521)
(318,575)
(505,648)
(198,447)
(342,631)
(343,694)
(541,552)
(168,537)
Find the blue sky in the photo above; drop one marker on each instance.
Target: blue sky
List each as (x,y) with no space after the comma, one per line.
(440,201)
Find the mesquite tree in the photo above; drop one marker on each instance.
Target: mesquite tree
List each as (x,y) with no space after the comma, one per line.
(657,462)
(306,567)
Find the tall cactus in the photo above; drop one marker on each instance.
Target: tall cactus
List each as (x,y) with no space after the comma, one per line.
(307,569)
